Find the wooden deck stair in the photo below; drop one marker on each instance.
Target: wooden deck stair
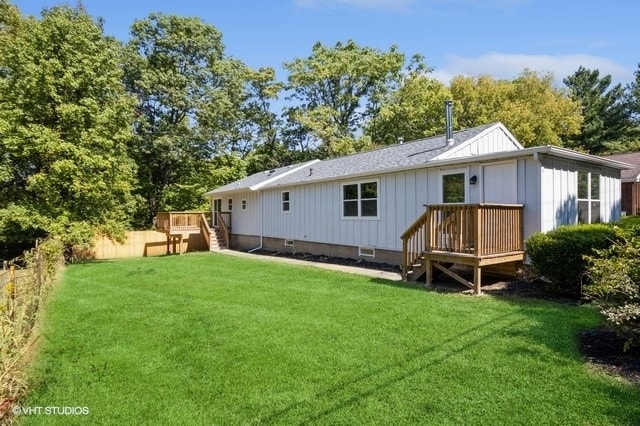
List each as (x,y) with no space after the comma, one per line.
(217,241)
(476,235)
(178,224)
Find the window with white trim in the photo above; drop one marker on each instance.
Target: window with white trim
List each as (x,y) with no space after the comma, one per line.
(588,197)
(453,188)
(230,204)
(286,201)
(360,199)
(244,204)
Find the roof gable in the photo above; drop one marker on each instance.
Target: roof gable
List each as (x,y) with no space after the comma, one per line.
(493,139)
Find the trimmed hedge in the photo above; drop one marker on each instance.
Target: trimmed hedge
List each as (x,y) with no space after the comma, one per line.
(558,255)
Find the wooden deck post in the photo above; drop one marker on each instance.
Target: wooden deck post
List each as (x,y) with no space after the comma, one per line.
(428,272)
(477,280)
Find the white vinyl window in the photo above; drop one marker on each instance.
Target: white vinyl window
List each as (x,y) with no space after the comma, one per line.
(244,205)
(286,201)
(588,197)
(360,199)
(230,204)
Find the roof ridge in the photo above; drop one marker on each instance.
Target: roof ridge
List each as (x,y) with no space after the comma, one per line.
(383,147)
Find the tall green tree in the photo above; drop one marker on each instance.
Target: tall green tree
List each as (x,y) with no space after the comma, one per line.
(535,111)
(414,110)
(65,119)
(194,103)
(335,91)
(605,108)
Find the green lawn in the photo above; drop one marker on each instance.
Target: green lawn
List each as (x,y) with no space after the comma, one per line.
(211,339)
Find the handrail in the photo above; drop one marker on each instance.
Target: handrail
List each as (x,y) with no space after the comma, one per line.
(205,229)
(470,229)
(413,242)
(225,228)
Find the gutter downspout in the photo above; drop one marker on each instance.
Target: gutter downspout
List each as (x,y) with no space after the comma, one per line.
(261,223)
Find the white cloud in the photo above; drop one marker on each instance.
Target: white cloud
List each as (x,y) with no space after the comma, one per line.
(508,66)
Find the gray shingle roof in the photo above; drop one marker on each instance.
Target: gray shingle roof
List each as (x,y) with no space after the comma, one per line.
(379,160)
(632,158)
(372,162)
(257,179)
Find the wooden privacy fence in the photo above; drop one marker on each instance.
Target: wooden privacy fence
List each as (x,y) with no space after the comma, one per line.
(143,244)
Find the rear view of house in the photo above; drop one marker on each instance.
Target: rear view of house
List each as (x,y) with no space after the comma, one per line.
(481,186)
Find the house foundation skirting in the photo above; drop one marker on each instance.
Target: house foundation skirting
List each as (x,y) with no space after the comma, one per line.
(248,242)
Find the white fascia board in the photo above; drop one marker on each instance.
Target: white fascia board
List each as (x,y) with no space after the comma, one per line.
(484,158)
(575,155)
(275,178)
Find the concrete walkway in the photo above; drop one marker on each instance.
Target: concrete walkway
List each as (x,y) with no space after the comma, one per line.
(392,276)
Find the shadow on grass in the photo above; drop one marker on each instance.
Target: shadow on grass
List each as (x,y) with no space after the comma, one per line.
(377,375)
(545,332)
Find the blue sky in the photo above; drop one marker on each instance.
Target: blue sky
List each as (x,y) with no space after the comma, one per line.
(496,37)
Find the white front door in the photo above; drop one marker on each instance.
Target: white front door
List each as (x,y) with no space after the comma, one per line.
(500,183)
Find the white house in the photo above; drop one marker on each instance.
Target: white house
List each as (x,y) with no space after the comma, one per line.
(360,205)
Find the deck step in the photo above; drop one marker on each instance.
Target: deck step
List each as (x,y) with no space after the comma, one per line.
(217,241)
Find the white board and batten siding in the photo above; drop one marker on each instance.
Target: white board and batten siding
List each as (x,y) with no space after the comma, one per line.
(496,139)
(559,191)
(315,213)
(545,184)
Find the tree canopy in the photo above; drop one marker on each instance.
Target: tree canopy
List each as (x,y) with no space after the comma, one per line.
(605,109)
(336,90)
(65,119)
(195,103)
(535,111)
(97,135)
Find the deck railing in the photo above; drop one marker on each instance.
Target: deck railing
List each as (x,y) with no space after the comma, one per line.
(471,229)
(178,222)
(414,243)
(205,230)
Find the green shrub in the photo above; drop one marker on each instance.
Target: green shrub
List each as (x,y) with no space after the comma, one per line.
(615,286)
(558,255)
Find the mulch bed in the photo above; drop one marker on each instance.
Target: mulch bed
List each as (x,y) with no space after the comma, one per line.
(601,347)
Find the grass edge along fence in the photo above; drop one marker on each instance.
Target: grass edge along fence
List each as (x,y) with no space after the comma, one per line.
(24,284)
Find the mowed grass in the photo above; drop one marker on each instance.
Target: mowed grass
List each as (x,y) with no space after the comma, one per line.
(214,339)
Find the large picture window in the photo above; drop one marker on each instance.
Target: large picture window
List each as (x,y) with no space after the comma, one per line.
(360,199)
(588,197)
(453,188)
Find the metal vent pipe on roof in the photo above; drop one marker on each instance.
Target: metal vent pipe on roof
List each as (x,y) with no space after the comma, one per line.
(448,109)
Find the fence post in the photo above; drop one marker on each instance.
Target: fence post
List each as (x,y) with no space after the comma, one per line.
(12,293)
(38,271)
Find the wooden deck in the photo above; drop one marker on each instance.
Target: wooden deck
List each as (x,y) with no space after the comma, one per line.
(177,224)
(476,235)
